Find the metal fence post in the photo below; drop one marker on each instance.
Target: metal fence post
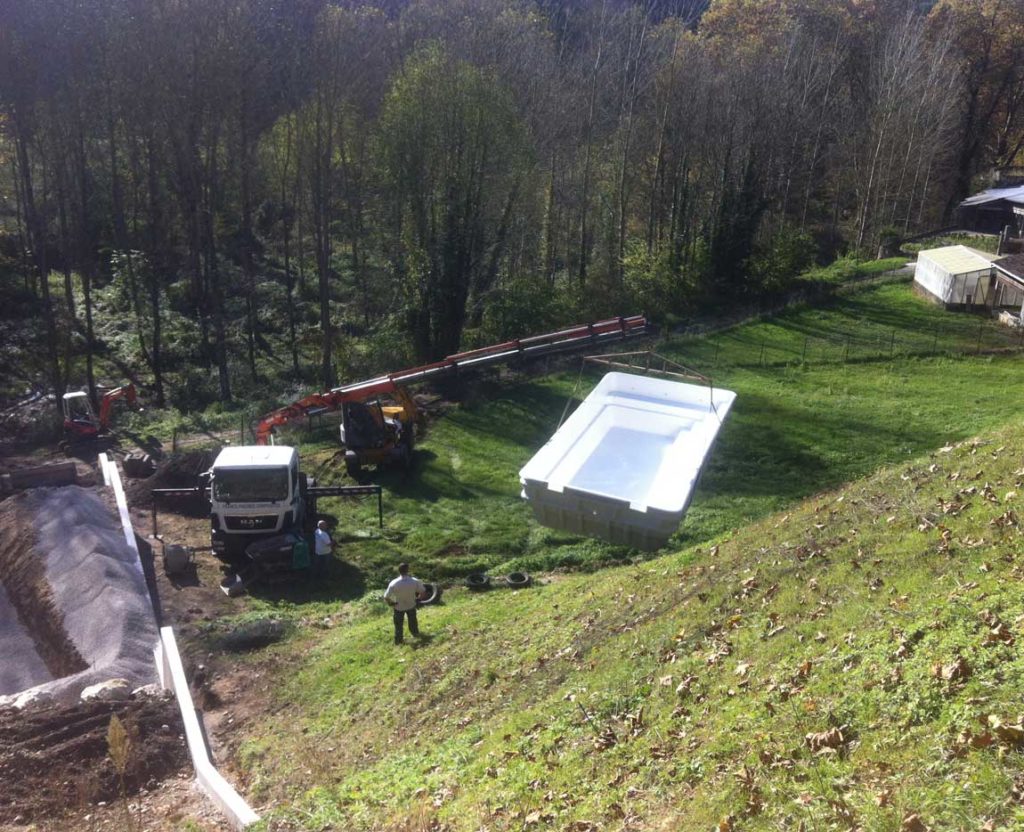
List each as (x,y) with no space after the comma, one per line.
(892,343)
(981,331)
(846,350)
(761,360)
(803,355)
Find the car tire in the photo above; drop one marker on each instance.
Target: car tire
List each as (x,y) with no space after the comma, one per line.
(517,580)
(433,595)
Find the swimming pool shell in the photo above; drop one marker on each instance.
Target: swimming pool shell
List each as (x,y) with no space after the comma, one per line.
(625,465)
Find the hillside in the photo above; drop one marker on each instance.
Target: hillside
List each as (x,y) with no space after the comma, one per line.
(849,663)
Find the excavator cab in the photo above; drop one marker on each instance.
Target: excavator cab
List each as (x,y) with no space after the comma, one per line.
(376,434)
(80,420)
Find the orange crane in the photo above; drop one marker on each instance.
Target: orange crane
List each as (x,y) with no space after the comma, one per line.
(375,433)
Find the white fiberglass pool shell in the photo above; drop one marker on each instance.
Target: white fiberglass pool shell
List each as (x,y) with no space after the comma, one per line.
(624,466)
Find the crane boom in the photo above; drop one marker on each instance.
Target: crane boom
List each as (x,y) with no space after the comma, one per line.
(564,340)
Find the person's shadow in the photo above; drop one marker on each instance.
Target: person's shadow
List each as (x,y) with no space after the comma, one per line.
(422,640)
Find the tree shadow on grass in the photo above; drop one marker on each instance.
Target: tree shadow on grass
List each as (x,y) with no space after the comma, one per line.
(769,449)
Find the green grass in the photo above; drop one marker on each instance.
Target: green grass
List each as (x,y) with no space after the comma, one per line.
(847,269)
(982,242)
(798,427)
(681,692)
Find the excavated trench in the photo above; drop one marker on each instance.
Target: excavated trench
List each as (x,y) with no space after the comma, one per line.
(74,610)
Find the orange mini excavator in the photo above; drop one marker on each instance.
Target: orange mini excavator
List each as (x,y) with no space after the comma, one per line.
(81,423)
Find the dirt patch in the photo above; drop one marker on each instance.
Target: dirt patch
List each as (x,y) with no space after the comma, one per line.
(55,761)
(23,574)
(181,470)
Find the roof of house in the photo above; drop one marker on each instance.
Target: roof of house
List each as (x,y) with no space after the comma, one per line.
(957,259)
(1014,195)
(1012,265)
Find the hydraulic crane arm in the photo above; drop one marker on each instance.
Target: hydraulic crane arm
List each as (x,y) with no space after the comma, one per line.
(563,340)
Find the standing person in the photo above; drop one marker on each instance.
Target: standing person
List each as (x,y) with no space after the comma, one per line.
(323,546)
(401,594)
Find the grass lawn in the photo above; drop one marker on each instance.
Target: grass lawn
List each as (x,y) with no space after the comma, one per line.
(850,663)
(798,427)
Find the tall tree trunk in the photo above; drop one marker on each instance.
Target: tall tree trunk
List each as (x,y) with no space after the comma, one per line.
(37,245)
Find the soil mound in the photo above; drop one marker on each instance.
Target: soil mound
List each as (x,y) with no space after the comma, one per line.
(56,760)
(181,470)
(28,593)
(78,591)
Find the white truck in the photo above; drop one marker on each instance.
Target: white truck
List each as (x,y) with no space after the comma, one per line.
(256,492)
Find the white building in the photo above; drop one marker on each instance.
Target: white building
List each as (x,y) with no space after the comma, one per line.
(956,276)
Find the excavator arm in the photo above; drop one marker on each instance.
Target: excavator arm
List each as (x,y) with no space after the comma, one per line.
(127,392)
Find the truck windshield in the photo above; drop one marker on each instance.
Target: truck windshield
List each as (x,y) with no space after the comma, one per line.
(250,485)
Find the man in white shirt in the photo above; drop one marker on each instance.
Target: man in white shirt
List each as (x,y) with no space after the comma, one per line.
(401,594)
(323,545)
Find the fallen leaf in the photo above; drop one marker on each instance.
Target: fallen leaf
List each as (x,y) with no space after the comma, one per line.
(956,671)
(832,739)
(1006,733)
(912,823)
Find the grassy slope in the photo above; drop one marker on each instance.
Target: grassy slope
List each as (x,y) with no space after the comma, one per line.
(704,671)
(831,613)
(797,428)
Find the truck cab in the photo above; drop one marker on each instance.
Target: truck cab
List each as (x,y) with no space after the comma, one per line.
(256,491)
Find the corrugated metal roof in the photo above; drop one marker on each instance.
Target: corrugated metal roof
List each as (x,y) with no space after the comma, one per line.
(957,259)
(1013,265)
(1014,195)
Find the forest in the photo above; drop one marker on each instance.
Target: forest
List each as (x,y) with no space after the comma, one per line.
(223,199)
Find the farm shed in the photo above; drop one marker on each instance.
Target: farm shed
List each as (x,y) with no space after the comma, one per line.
(1010,285)
(992,210)
(955,276)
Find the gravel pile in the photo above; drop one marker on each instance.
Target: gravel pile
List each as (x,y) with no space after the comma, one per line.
(78,590)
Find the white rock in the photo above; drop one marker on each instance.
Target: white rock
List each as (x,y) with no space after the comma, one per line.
(150,691)
(32,698)
(112,690)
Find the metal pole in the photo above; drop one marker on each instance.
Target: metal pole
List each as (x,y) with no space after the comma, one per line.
(803,355)
(380,508)
(892,343)
(981,331)
(846,351)
(762,352)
